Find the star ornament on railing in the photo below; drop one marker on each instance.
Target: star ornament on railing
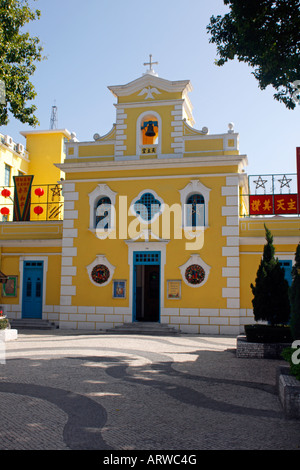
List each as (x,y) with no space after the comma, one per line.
(260,183)
(285,182)
(56,191)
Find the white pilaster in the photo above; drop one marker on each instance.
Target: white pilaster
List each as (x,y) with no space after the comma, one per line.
(231,253)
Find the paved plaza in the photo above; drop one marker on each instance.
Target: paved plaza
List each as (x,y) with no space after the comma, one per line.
(64,390)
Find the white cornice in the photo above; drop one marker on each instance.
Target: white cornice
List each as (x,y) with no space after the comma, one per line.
(200,135)
(24,156)
(150,80)
(215,160)
(262,241)
(32,242)
(149,104)
(150,177)
(65,132)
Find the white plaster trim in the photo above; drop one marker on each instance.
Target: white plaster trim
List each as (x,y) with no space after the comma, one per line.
(131,164)
(135,178)
(195,259)
(100,259)
(31,243)
(194,186)
(144,104)
(102,190)
(276,241)
(150,80)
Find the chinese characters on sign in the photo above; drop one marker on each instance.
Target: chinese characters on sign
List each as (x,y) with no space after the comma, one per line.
(148,150)
(270,205)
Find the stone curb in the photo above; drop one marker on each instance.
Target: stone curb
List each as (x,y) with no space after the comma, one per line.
(288,389)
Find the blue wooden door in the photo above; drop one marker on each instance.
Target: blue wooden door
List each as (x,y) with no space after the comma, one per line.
(32,302)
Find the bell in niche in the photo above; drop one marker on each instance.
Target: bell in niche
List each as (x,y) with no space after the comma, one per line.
(150,130)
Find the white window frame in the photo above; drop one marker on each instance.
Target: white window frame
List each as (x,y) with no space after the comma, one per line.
(194,187)
(102,190)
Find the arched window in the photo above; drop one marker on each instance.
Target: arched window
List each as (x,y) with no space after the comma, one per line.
(195,211)
(103,213)
(149,129)
(149,132)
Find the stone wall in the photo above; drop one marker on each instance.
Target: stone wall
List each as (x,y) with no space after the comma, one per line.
(248,350)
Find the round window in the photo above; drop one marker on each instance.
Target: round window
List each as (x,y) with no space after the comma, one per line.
(194,274)
(100,274)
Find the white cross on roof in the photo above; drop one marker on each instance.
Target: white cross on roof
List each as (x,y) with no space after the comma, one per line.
(150,63)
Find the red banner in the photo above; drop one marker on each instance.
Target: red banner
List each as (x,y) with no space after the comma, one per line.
(267,204)
(261,205)
(285,204)
(22,197)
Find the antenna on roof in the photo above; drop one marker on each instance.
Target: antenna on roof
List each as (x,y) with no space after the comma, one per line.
(53,118)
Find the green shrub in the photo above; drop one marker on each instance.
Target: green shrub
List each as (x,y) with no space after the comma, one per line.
(258,333)
(271,290)
(287,354)
(295,297)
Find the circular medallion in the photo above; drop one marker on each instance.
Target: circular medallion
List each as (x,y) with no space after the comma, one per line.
(194,274)
(100,273)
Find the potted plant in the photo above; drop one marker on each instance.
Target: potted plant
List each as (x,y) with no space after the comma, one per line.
(270,300)
(4,323)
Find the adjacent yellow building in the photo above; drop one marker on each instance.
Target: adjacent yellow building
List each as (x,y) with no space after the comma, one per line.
(148,223)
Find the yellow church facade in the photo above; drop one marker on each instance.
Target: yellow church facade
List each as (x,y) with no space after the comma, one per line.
(148,223)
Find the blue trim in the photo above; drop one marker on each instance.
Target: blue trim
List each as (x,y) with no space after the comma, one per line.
(144,258)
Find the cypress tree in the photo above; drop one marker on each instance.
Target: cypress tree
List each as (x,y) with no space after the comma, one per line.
(295,297)
(271,290)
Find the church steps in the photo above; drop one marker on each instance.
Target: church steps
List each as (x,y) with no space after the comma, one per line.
(144,328)
(31,324)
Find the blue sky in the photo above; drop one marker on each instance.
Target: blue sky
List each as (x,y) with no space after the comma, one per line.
(97,43)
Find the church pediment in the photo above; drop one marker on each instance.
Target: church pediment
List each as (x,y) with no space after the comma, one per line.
(150,87)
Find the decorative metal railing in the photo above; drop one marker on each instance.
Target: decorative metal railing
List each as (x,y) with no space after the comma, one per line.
(270,195)
(45,202)
(273,184)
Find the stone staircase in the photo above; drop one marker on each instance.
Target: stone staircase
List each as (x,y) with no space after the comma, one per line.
(144,328)
(31,324)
